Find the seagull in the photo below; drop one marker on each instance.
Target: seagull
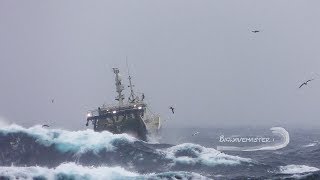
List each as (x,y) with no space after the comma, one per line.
(172,109)
(305,83)
(255,31)
(45,125)
(196,133)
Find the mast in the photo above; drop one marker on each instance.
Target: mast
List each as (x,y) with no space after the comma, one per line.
(132,97)
(119,86)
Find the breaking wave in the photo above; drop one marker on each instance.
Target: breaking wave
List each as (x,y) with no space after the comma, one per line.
(43,153)
(189,153)
(297,169)
(67,141)
(74,171)
(298,172)
(51,148)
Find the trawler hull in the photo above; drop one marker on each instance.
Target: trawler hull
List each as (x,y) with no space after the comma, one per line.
(129,121)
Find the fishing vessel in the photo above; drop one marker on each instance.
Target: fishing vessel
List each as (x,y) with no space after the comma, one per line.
(131,116)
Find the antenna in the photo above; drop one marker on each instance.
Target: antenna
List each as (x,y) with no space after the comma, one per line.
(127,66)
(132,97)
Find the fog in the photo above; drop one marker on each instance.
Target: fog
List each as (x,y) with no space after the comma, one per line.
(198,56)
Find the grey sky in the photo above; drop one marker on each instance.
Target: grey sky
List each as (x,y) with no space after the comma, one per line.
(199,56)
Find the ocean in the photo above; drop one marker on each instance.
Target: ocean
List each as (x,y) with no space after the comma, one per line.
(44,153)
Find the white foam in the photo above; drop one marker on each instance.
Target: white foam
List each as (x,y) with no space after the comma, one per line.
(296,169)
(202,155)
(75,171)
(75,141)
(68,169)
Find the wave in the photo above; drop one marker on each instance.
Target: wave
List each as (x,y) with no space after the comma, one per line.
(189,153)
(65,141)
(50,147)
(297,169)
(75,171)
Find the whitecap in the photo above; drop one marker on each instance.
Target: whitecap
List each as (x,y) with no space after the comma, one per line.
(195,154)
(296,169)
(66,170)
(75,171)
(74,141)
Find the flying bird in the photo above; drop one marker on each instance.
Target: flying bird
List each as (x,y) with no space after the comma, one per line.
(172,109)
(45,125)
(305,83)
(196,133)
(255,31)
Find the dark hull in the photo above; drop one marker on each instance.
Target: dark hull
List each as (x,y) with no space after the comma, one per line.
(129,121)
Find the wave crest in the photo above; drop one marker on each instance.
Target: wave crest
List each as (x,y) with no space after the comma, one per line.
(74,171)
(70,141)
(189,153)
(297,169)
